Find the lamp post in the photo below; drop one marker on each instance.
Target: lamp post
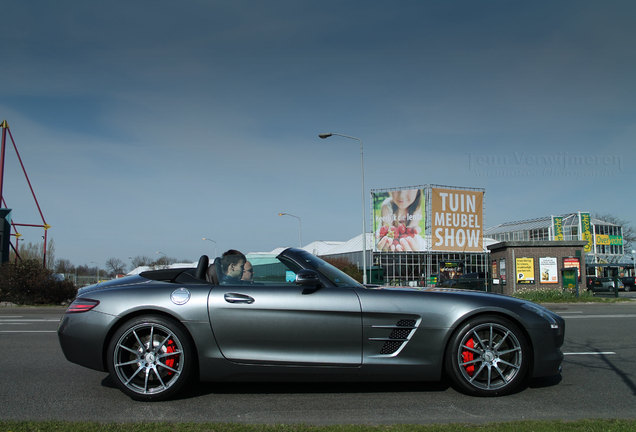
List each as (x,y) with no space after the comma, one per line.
(364,220)
(210,240)
(300,228)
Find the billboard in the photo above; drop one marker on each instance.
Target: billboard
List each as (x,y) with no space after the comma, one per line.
(557,227)
(548,270)
(586,230)
(399,220)
(456,220)
(525,270)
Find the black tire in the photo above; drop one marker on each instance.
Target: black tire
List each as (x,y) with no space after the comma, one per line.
(150,358)
(488,356)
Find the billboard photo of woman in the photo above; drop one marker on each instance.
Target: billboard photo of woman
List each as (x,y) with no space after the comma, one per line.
(399,222)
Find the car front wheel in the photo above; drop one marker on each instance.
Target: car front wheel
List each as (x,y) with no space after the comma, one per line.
(488,356)
(150,358)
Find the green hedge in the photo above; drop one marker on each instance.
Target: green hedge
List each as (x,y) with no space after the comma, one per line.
(28,283)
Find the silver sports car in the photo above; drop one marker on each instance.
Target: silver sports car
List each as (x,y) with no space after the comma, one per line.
(302,319)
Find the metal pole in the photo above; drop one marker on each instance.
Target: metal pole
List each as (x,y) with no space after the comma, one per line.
(44,249)
(364,220)
(4,126)
(300,228)
(213,241)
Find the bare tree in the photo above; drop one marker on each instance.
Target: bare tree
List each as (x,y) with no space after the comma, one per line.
(35,251)
(63,265)
(139,261)
(50,254)
(115,266)
(164,261)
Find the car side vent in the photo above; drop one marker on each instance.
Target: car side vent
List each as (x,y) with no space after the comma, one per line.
(398,337)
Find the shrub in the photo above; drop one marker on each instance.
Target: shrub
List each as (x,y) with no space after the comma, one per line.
(28,283)
(546,295)
(347,267)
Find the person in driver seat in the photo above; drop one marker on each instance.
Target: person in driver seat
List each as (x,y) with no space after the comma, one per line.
(232,264)
(248,272)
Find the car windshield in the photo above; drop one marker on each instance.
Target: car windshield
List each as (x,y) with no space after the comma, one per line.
(335,276)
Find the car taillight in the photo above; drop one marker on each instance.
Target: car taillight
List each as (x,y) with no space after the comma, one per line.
(81,305)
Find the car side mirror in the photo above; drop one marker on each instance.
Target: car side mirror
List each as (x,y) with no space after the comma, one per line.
(309,280)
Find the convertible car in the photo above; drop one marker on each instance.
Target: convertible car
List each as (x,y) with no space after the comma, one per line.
(301,319)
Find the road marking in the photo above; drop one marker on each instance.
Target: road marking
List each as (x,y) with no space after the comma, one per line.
(591,353)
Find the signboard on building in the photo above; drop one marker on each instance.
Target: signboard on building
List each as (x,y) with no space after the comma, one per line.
(502,270)
(548,270)
(399,220)
(608,240)
(602,239)
(557,227)
(524,270)
(569,262)
(456,220)
(585,222)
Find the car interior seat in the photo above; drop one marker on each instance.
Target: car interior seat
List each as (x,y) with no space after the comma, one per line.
(202,267)
(213,271)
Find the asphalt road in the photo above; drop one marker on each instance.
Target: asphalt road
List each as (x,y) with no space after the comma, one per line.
(598,381)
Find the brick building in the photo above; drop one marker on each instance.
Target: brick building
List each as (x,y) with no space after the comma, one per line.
(534,264)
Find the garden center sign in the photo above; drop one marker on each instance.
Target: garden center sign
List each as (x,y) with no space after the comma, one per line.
(457,220)
(428,218)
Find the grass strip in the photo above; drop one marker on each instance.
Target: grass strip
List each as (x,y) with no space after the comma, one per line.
(523,426)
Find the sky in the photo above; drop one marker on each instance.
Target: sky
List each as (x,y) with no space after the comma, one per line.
(147,125)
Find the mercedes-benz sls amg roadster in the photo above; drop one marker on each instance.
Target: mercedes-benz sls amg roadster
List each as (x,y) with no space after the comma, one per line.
(301,319)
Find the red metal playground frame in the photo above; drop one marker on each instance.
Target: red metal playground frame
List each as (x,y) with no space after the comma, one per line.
(3,204)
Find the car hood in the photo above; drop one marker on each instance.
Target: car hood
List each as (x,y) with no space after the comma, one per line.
(455,292)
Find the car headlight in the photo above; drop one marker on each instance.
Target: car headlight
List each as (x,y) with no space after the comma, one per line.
(542,312)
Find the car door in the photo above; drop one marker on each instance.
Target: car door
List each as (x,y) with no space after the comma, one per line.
(283,323)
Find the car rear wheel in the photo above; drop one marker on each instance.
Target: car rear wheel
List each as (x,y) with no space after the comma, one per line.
(488,356)
(150,358)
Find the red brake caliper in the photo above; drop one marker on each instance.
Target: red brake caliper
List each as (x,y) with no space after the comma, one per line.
(170,361)
(469,356)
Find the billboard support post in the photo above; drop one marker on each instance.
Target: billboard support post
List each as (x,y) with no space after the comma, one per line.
(5,128)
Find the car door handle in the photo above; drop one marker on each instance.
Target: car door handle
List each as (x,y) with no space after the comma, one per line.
(238,298)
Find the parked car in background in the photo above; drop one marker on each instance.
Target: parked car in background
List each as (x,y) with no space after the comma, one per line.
(471,281)
(629,282)
(604,284)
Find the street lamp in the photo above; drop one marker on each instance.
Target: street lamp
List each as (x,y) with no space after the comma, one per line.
(364,220)
(210,240)
(300,227)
